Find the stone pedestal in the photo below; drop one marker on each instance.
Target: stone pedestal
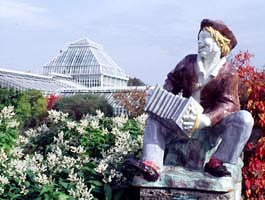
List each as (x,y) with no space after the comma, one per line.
(178,194)
(177,183)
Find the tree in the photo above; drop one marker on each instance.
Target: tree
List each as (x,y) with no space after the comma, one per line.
(31,108)
(135,82)
(8,97)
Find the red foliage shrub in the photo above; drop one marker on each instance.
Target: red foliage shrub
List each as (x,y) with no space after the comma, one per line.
(51,100)
(252,98)
(133,100)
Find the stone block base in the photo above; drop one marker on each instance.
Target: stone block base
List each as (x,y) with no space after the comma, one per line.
(178,194)
(180,184)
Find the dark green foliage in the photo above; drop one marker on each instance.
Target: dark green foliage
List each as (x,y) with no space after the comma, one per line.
(7,135)
(79,105)
(94,141)
(30,105)
(135,82)
(8,97)
(41,142)
(133,127)
(31,108)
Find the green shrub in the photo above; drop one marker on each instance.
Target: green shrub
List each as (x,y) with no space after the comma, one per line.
(29,105)
(8,97)
(67,159)
(8,128)
(79,105)
(31,108)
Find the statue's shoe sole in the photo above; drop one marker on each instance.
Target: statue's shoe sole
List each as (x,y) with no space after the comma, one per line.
(139,167)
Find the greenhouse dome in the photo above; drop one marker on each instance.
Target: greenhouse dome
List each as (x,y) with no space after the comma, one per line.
(88,64)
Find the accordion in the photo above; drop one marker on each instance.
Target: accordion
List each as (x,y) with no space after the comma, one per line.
(166,105)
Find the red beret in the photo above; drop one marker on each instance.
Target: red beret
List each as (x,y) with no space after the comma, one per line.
(222,28)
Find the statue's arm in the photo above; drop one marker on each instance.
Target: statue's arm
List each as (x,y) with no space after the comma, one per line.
(175,77)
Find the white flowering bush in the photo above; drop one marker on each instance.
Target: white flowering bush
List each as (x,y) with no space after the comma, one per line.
(66,159)
(8,128)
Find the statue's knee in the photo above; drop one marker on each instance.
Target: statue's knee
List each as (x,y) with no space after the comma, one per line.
(246,121)
(246,118)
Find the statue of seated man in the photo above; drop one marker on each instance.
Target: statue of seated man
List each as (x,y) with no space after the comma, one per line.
(210,79)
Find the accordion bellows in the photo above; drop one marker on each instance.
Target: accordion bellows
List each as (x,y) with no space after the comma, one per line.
(166,105)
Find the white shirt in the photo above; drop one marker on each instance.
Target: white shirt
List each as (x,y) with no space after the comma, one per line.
(205,75)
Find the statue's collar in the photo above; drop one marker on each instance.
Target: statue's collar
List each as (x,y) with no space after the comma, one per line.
(213,71)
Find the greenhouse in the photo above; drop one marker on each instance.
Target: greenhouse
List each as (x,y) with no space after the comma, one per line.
(88,64)
(83,68)
(46,84)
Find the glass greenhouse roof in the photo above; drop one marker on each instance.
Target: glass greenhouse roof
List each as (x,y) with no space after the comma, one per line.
(86,53)
(46,84)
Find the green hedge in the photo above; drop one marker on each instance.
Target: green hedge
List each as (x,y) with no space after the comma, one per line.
(78,105)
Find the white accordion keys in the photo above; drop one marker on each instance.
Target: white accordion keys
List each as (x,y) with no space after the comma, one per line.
(166,105)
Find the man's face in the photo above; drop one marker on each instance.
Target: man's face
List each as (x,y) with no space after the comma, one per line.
(207,45)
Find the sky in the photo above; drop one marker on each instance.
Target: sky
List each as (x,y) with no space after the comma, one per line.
(147,38)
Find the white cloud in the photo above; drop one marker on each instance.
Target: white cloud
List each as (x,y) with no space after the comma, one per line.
(24,14)
(140,35)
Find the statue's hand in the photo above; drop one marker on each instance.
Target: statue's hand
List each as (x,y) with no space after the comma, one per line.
(189,119)
(192,121)
(204,121)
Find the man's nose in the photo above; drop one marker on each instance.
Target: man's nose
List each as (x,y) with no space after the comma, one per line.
(200,43)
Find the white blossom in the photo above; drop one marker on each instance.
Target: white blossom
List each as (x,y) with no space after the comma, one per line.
(38,157)
(57,116)
(80,130)
(22,140)
(35,163)
(71,125)
(78,150)
(84,123)
(100,114)
(52,159)
(102,167)
(20,166)
(120,120)
(94,124)
(68,161)
(81,191)
(43,128)
(13,124)
(31,132)
(60,138)
(7,112)
(58,152)
(4,180)
(3,156)
(23,190)
(105,131)
(17,152)
(2,190)
(141,120)
(72,176)
(42,179)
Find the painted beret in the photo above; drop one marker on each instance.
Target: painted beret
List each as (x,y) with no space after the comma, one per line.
(222,28)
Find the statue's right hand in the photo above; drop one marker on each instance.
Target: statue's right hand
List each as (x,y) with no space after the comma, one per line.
(189,119)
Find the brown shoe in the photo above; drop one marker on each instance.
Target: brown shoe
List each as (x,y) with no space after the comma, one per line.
(218,171)
(146,171)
